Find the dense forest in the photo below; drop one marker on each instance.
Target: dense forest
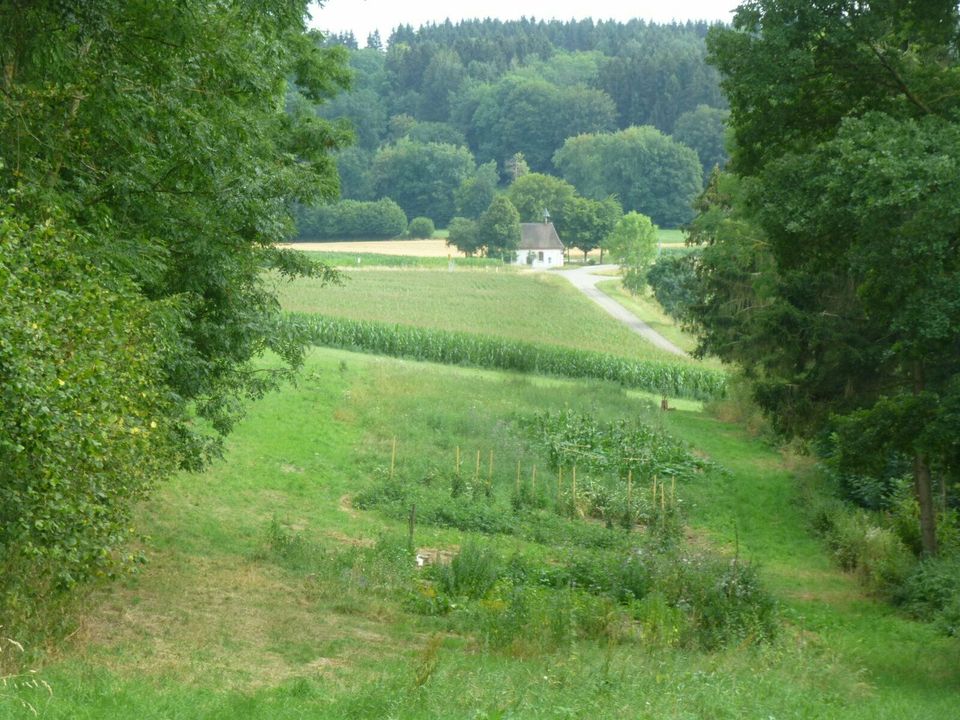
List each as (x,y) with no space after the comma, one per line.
(454,107)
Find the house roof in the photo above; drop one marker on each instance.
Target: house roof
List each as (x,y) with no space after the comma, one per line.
(539,236)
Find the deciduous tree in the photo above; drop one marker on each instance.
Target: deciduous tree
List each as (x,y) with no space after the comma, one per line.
(499,228)
(147,169)
(832,271)
(633,244)
(644,169)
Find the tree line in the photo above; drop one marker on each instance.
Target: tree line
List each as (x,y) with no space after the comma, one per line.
(147,170)
(443,101)
(829,263)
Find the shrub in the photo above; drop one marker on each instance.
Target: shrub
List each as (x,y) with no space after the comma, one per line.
(932,592)
(874,552)
(86,428)
(472,573)
(420,227)
(730,604)
(351,219)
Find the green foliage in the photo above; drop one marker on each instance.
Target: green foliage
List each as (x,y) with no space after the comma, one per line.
(704,130)
(532,116)
(618,448)
(351,219)
(476,193)
(832,277)
(464,235)
(178,161)
(472,573)
(498,229)
(149,163)
(932,592)
(586,223)
(422,177)
(532,193)
(633,245)
(355,170)
(674,380)
(644,169)
(421,227)
(673,280)
(86,426)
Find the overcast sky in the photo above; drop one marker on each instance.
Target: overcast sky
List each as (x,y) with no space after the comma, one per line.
(364,16)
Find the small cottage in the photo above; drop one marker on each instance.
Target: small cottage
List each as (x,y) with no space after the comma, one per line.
(540,246)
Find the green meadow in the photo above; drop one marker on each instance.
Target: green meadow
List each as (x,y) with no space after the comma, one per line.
(282,582)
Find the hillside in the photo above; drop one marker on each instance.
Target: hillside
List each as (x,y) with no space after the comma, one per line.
(270,591)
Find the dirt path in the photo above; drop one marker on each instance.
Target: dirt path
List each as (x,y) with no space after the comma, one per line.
(585,280)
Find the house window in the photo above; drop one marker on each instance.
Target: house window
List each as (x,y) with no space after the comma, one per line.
(540,256)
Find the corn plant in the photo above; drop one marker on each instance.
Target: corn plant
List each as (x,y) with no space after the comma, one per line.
(458,348)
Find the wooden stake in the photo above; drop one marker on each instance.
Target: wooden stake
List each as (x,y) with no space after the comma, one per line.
(629,486)
(457,466)
(517,487)
(533,481)
(490,469)
(413,522)
(663,498)
(476,474)
(393,457)
(560,481)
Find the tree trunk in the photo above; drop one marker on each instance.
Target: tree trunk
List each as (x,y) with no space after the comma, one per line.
(921,481)
(928,517)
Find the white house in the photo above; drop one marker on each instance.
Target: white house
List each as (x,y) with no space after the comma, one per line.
(540,246)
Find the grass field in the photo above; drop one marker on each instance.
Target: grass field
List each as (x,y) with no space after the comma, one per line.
(534,307)
(281,582)
(270,595)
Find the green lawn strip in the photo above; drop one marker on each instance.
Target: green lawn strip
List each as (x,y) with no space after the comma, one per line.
(671,235)
(532,307)
(648,309)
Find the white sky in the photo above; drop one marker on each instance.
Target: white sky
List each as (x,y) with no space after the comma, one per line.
(364,16)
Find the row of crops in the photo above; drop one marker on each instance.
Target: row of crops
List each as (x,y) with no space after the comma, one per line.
(457,348)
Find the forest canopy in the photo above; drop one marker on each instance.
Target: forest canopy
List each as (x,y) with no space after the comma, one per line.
(499,88)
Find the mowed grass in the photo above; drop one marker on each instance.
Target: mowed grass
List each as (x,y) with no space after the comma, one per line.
(223,624)
(533,307)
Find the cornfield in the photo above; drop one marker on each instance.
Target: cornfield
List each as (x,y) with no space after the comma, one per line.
(458,348)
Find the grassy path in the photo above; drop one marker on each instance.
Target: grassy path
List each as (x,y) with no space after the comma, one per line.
(901,665)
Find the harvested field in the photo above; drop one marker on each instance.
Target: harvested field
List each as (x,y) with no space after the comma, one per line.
(409,248)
